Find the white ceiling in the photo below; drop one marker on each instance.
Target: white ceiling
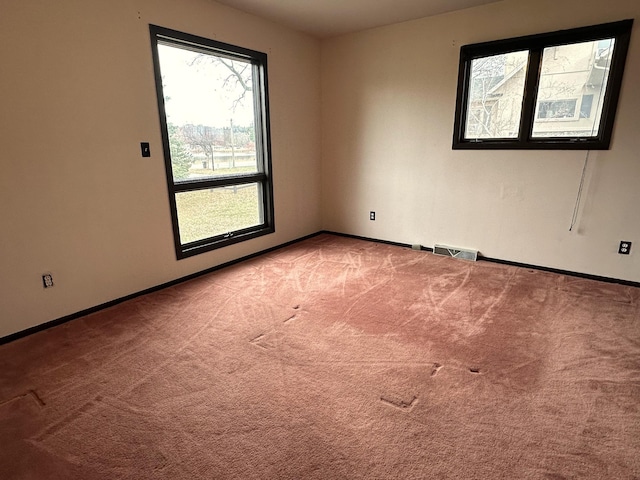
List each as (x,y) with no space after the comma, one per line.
(327,18)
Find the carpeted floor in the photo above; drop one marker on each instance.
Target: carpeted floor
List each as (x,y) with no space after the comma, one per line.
(335,358)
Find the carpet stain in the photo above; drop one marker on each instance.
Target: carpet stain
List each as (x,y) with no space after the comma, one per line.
(400,404)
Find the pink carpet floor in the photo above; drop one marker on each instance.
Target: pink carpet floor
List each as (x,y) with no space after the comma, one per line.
(335,358)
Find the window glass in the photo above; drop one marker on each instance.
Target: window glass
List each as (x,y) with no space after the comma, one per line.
(218,211)
(211,122)
(213,105)
(496,90)
(556,90)
(569,73)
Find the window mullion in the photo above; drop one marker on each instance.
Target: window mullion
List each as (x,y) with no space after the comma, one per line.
(218,182)
(530,95)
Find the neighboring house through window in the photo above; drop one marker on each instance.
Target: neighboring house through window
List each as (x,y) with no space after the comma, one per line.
(554,90)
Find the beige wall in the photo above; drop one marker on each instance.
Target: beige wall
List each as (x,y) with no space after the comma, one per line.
(77,97)
(388,100)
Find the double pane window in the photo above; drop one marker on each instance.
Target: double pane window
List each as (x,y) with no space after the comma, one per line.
(214,118)
(555,90)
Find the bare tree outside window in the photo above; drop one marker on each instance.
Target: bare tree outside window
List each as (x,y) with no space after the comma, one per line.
(495,96)
(213,100)
(214,115)
(555,90)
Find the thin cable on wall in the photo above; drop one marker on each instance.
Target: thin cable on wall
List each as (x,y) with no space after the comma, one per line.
(574,218)
(607,68)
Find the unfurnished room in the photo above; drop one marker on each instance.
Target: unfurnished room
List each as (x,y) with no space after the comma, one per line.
(259,239)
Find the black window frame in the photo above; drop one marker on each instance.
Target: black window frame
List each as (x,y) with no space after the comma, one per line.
(263,141)
(535,45)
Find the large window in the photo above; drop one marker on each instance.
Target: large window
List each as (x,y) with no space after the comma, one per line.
(554,90)
(214,117)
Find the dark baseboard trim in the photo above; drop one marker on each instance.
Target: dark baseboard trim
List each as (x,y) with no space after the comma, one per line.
(88,311)
(59,321)
(376,240)
(569,273)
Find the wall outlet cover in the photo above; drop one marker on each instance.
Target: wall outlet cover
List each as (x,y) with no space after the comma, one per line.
(624,248)
(47,280)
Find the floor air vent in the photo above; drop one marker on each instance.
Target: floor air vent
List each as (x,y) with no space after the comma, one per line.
(464,253)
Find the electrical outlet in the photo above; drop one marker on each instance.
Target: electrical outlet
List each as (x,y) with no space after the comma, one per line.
(47,280)
(624,248)
(372,215)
